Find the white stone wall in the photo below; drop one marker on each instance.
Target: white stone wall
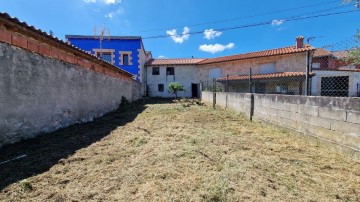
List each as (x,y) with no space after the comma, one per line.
(354,80)
(184,74)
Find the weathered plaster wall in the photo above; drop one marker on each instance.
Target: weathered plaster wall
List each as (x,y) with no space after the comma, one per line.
(184,74)
(334,119)
(354,81)
(40,94)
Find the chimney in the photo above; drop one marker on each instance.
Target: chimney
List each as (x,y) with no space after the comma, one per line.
(299,42)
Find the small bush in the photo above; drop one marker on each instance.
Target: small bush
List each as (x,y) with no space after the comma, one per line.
(124,104)
(175,88)
(26,185)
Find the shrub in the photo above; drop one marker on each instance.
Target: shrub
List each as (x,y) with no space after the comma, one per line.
(124,104)
(175,88)
(26,185)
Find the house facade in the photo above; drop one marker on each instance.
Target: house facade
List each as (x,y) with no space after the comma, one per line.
(125,52)
(161,72)
(280,70)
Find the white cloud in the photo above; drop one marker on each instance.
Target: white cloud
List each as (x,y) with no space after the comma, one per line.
(211,34)
(111,1)
(114,13)
(103,1)
(277,22)
(214,48)
(161,57)
(179,38)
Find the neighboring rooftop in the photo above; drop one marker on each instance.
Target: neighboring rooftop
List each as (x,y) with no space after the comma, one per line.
(178,61)
(264,53)
(276,75)
(200,61)
(320,52)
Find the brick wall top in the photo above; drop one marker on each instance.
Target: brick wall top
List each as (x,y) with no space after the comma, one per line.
(19,34)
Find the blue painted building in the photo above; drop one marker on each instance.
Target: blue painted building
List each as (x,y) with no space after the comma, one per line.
(125,52)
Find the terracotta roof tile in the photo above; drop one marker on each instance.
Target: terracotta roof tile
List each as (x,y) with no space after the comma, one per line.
(320,52)
(178,61)
(341,54)
(265,53)
(266,76)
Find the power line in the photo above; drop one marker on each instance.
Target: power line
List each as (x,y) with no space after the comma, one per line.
(246,17)
(258,24)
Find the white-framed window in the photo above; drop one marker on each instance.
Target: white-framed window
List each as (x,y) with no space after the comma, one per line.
(105,54)
(125,58)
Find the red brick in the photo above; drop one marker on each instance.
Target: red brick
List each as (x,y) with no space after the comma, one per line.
(62,56)
(19,41)
(5,36)
(45,51)
(33,46)
(87,65)
(69,59)
(55,53)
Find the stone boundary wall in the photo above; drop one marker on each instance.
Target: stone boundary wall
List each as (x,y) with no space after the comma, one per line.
(331,118)
(47,84)
(40,94)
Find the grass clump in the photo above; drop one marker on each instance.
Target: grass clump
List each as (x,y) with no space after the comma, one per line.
(26,185)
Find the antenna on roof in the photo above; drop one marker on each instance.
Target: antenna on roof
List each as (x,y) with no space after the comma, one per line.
(101,37)
(109,33)
(312,38)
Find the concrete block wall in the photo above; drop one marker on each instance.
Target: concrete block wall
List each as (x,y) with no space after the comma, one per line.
(330,118)
(39,94)
(239,102)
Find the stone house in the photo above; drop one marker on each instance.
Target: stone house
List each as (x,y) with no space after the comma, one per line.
(280,70)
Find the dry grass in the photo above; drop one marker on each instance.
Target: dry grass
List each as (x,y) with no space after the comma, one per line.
(186,152)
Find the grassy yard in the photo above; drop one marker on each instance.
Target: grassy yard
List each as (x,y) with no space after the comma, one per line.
(163,151)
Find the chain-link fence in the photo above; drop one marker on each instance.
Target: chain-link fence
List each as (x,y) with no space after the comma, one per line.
(332,70)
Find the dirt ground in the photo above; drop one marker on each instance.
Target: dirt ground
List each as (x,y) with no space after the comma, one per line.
(158,150)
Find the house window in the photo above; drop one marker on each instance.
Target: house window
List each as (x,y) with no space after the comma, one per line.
(267,68)
(214,73)
(170,71)
(125,59)
(155,71)
(105,54)
(315,65)
(337,86)
(161,87)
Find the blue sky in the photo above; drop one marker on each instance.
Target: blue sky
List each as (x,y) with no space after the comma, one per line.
(173,17)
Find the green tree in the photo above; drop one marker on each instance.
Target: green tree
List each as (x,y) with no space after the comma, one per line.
(175,88)
(355,52)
